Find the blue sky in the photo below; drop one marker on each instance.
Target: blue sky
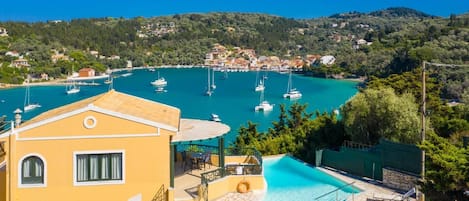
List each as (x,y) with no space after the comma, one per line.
(34,10)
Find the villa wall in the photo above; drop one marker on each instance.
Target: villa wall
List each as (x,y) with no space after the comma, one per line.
(170,194)
(3,185)
(229,184)
(146,158)
(240,160)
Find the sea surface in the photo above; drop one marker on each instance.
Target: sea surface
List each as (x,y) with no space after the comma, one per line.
(33,10)
(234,98)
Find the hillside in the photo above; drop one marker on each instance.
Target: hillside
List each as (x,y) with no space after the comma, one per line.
(379,43)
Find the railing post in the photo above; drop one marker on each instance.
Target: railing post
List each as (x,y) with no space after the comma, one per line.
(171,165)
(221,152)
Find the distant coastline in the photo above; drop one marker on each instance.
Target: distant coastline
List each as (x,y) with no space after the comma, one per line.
(63,82)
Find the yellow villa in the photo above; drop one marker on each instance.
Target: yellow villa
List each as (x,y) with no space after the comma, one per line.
(116,146)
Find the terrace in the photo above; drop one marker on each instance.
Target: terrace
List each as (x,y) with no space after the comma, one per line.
(202,171)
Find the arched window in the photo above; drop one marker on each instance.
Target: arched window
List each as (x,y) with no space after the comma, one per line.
(32,170)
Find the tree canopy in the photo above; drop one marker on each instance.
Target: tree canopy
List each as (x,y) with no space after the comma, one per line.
(376,114)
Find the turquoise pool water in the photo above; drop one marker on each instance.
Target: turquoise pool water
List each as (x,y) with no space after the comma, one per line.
(289,179)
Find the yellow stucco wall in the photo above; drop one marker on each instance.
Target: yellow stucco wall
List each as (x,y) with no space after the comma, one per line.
(146,159)
(3,185)
(228,184)
(240,159)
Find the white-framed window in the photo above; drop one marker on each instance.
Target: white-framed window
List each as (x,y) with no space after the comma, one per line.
(99,167)
(32,171)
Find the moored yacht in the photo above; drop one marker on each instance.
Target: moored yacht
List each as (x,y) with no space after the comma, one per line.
(160,81)
(215,117)
(292,93)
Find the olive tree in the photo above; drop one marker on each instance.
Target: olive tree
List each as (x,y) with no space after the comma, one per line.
(374,114)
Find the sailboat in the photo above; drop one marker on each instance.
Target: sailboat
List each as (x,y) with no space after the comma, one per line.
(72,88)
(260,86)
(209,87)
(264,105)
(160,81)
(27,103)
(213,80)
(109,79)
(292,93)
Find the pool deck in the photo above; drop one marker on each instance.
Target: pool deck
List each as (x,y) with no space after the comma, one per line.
(371,190)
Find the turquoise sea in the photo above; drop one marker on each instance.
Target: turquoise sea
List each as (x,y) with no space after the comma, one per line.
(234,98)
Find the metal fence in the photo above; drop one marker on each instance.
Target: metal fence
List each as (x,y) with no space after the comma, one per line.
(369,161)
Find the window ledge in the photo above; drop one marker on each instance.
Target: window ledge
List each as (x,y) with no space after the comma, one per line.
(32,185)
(98,183)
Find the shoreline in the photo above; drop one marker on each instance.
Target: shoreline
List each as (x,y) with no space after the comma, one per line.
(63,81)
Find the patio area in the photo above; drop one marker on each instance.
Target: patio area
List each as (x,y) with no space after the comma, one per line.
(187,181)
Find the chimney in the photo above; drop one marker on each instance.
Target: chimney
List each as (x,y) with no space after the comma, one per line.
(17,113)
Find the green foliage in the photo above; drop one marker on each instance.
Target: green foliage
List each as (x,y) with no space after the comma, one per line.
(194,149)
(295,132)
(375,114)
(447,169)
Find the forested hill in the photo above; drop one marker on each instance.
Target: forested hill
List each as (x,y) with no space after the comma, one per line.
(379,43)
(389,13)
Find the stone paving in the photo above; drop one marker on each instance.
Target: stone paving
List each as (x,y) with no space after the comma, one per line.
(249,196)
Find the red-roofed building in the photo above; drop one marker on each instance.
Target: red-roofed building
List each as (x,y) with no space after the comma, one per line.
(86,72)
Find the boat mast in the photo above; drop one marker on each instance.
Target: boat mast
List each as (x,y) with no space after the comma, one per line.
(208,81)
(26,98)
(289,82)
(213,78)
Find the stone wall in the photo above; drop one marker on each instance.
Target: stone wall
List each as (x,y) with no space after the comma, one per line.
(399,180)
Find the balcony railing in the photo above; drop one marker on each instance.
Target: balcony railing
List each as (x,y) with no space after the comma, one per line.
(212,175)
(235,169)
(4,124)
(160,194)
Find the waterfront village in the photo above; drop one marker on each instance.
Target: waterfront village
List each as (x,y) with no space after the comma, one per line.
(219,57)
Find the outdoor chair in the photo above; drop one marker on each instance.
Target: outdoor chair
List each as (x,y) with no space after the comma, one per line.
(404,197)
(207,159)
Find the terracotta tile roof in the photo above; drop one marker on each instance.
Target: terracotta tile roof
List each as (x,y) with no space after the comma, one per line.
(120,103)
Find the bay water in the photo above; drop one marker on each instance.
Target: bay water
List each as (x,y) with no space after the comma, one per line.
(233,99)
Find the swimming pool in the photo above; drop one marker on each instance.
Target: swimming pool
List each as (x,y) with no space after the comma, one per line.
(289,179)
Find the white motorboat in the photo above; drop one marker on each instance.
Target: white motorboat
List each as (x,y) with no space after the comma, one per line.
(126,74)
(215,117)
